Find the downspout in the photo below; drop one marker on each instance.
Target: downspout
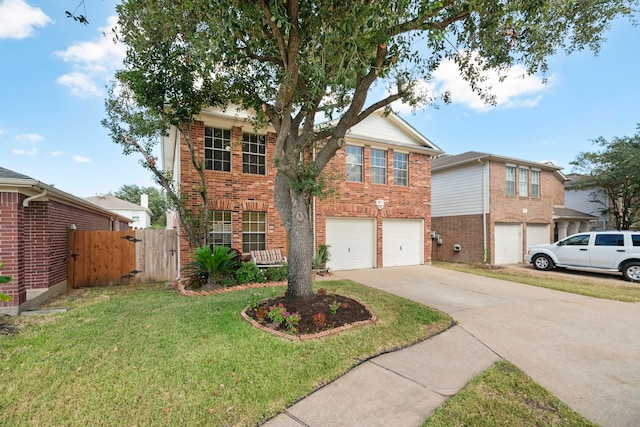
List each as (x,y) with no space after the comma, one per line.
(176,163)
(25,202)
(485,193)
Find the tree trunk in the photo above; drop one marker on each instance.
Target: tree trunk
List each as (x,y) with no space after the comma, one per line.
(300,250)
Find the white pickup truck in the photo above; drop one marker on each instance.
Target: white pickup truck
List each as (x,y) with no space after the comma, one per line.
(595,251)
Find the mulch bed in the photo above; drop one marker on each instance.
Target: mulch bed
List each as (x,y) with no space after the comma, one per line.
(319,315)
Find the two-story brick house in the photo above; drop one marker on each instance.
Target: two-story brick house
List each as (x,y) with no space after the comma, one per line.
(489,208)
(380,213)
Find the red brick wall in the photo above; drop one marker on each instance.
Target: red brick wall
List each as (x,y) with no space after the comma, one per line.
(12,247)
(358,199)
(238,192)
(465,230)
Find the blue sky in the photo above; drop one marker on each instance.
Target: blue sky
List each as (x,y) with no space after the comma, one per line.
(54,72)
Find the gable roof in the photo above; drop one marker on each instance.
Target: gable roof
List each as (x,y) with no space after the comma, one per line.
(449,161)
(392,130)
(111,202)
(11,181)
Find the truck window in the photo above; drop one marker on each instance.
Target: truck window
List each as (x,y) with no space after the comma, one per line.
(635,239)
(580,240)
(609,240)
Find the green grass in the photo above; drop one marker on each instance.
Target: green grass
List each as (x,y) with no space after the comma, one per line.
(504,396)
(619,292)
(144,355)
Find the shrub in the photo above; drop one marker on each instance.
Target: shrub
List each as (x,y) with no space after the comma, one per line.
(277,274)
(249,273)
(216,264)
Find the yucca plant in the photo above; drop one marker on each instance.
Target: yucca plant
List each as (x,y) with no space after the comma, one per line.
(215,264)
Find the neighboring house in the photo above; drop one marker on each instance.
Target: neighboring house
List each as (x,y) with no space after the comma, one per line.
(379,217)
(140,214)
(35,219)
(584,200)
(490,209)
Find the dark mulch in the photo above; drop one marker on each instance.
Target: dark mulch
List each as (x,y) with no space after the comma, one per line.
(315,313)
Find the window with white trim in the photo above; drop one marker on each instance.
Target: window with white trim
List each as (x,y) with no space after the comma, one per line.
(354,163)
(217,149)
(511,180)
(254,154)
(378,166)
(535,184)
(254,231)
(401,169)
(523,182)
(221,229)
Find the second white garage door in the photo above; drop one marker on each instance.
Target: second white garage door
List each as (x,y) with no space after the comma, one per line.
(538,234)
(352,243)
(508,243)
(402,242)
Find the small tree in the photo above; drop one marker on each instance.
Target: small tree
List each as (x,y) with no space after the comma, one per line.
(291,61)
(616,170)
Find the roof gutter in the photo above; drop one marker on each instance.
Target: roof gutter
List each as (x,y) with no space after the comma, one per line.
(28,200)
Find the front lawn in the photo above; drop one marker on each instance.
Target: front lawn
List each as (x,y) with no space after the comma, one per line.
(144,355)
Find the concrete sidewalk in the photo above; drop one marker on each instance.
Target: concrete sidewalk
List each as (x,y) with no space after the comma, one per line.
(584,350)
(396,389)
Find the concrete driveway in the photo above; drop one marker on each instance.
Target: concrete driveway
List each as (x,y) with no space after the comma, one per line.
(584,350)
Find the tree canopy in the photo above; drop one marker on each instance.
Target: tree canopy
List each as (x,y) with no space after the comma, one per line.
(293,62)
(616,170)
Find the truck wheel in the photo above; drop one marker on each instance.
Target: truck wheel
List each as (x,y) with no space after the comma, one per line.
(542,262)
(631,271)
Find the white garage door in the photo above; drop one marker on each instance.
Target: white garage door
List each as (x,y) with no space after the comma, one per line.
(352,243)
(538,234)
(402,242)
(508,243)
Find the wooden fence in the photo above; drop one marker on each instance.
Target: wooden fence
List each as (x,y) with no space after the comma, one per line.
(98,258)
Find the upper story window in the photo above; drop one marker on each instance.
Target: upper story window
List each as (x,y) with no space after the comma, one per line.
(511,180)
(254,149)
(221,230)
(401,169)
(535,184)
(217,149)
(523,182)
(378,166)
(254,231)
(354,163)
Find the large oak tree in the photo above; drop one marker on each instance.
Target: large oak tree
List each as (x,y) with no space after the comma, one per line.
(289,60)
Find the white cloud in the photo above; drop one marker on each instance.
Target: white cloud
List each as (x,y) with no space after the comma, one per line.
(512,88)
(93,62)
(30,137)
(56,153)
(81,159)
(21,152)
(80,84)
(515,89)
(18,20)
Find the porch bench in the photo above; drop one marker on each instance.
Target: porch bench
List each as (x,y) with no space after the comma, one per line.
(268,258)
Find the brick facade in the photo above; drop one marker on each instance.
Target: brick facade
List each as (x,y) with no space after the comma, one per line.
(502,209)
(239,192)
(33,242)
